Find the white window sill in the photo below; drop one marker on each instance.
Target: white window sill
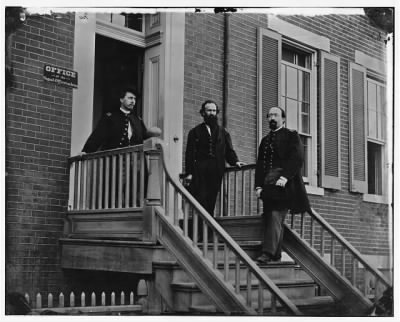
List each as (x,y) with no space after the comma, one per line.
(375,198)
(313,190)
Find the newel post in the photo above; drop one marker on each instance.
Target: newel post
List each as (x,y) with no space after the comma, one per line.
(152,152)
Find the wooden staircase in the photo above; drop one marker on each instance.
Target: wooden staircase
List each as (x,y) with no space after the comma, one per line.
(182,295)
(113,228)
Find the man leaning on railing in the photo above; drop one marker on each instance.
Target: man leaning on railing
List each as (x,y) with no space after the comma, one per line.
(121,128)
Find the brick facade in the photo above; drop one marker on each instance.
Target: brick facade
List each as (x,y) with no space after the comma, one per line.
(38,134)
(364,224)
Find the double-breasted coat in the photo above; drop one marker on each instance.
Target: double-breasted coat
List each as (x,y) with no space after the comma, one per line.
(287,146)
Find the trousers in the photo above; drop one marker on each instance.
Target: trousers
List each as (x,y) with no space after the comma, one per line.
(273,232)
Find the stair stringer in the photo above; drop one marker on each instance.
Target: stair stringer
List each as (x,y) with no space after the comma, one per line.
(347,296)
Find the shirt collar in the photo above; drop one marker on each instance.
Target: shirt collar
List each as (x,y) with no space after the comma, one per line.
(277,129)
(125,112)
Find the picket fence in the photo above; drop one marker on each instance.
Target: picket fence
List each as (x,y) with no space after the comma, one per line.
(84,305)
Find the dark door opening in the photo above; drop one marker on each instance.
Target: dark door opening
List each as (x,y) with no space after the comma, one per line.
(117,65)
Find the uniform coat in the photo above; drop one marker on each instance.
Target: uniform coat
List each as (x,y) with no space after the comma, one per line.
(112,132)
(290,158)
(205,159)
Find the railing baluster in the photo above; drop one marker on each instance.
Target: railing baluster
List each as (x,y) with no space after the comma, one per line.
(260,298)
(186,214)
(237,275)
(113,180)
(332,251)
(176,208)
(243,193)
(142,162)
(127,178)
(343,267)
(302,225)
(251,192)
(94,183)
(322,250)
(273,303)
(88,183)
(134,179)
(292,220)
(248,287)
(312,232)
(166,202)
(354,271)
(121,170)
(195,228)
(228,194)
(101,186)
(205,239)
(221,198)
(235,194)
(215,250)
(82,197)
(76,184)
(107,184)
(226,262)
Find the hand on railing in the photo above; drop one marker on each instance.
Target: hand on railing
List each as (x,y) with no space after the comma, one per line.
(240,164)
(154,131)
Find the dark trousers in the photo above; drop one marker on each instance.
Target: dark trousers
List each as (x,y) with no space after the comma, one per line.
(207,184)
(273,232)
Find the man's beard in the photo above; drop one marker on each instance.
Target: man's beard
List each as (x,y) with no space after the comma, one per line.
(211,120)
(272,125)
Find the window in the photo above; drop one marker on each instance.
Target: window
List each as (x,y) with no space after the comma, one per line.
(376,114)
(128,20)
(296,75)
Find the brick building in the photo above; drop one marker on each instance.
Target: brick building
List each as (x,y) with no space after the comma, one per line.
(328,71)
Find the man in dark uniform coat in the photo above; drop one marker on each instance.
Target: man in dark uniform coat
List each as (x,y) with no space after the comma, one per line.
(119,129)
(208,147)
(279,182)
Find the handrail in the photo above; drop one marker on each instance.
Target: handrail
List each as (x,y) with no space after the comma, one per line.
(98,154)
(219,234)
(336,237)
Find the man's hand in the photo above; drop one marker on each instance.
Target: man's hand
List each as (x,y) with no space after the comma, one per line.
(187,180)
(258,192)
(281,182)
(240,164)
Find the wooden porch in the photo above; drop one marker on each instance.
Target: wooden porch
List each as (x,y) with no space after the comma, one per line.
(127,214)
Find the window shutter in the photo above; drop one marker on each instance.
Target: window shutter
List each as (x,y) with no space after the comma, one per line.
(358,128)
(330,121)
(269,58)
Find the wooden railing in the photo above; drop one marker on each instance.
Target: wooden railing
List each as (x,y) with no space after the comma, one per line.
(332,246)
(311,227)
(111,179)
(180,212)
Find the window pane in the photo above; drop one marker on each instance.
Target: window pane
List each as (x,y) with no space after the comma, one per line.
(304,86)
(291,114)
(304,169)
(375,168)
(305,118)
(283,80)
(291,82)
(372,117)
(381,110)
(288,55)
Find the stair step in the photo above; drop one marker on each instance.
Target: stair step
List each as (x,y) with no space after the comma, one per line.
(203,309)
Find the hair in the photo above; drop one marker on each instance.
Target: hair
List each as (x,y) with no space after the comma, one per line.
(125,90)
(282,111)
(203,106)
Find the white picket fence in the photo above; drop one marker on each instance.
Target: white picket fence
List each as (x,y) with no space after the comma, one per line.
(84,305)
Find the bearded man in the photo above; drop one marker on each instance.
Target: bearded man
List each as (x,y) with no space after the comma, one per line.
(278,182)
(209,146)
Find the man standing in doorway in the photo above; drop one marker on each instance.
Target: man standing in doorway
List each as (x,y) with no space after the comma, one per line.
(278,182)
(209,145)
(121,128)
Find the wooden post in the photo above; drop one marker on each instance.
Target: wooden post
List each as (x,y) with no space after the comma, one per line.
(154,185)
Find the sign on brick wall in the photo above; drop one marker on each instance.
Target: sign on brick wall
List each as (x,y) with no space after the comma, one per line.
(60,76)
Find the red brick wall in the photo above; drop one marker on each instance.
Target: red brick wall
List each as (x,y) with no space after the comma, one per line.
(38,132)
(364,224)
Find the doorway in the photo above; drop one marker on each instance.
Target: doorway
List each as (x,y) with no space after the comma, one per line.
(117,65)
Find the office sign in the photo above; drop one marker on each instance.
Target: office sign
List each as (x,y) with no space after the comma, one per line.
(60,76)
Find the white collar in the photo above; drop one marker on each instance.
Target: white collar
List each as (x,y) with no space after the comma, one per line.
(125,112)
(277,129)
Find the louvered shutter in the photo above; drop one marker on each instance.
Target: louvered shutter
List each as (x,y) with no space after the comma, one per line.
(269,58)
(330,121)
(358,128)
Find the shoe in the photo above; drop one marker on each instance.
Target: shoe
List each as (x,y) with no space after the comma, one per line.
(263,259)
